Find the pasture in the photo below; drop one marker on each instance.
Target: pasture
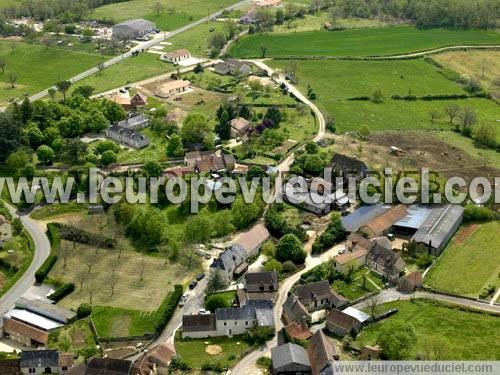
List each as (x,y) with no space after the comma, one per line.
(359,42)
(469,262)
(36,68)
(171,15)
(443,330)
(346,79)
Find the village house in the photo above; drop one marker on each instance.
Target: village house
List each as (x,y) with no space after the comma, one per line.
(139,100)
(39,362)
(172,88)
(382,260)
(231,263)
(253,239)
(127,137)
(208,162)
(295,311)
(10,366)
(175,57)
(346,321)
(134,121)
(233,67)
(239,127)
(155,360)
(298,331)
(290,359)
(229,321)
(322,352)
(318,296)
(350,261)
(411,282)
(259,286)
(346,167)
(133,29)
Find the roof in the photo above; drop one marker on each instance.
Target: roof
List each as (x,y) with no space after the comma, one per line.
(39,358)
(128,133)
(25,330)
(341,319)
(294,309)
(416,215)
(239,123)
(387,258)
(350,256)
(288,354)
(231,258)
(317,291)
(264,315)
(178,53)
(136,24)
(298,331)
(169,86)
(119,99)
(411,281)
(33,319)
(362,216)
(253,238)
(49,310)
(159,356)
(108,366)
(261,281)
(321,350)
(198,323)
(140,96)
(10,366)
(235,313)
(133,121)
(357,240)
(385,220)
(436,229)
(359,315)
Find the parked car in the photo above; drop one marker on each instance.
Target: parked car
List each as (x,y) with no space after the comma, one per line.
(193,284)
(200,276)
(342,250)
(184,299)
(203,312)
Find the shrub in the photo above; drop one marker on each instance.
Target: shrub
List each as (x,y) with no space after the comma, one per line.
(290,248)
(83,310)
(264,362)
(477,213)
(71,233)
(289,267)
(216,367)
(177,364)
(274,265)
(216,301)
(259,335)
(45,268)
(62,292)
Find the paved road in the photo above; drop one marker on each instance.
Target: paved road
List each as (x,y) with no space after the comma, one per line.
(41,252)
(144,46)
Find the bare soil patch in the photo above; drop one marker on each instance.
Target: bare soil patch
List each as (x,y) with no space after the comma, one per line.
(464,233)
(213,349)
(78,338)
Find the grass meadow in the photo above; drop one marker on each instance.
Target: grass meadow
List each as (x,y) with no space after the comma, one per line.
(359,42)
(37,68)
(172,15)
(469,262)
(454,333)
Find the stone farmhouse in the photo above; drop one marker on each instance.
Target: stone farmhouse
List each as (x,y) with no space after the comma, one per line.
(127,137)
(239,127)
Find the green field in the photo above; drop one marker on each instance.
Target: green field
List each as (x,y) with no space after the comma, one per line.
(346,79)
(174,13)
(117,322)
(470,262)
(37,68)
(359,42)
(456,334)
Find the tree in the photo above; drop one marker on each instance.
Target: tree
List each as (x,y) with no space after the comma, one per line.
(290,248)
(364,131)
(45,154)
(485,134)
(3,64)
(396,340)
(198,68)
(244,213)
(108,157)
(273,265)
(217,41)
(280,17)
(311,147)
(63,87)
(216,282)
(263,51)
(434,115)
(10,135)
(18,159)
(174,146)
(198,229)
(245,112)
(74,150)
(33,134)
(12,80)
(96,121)
(377,96)
(216,301)
(86,91)
(101,67)
(372,305)
(152,168)
(469,118)
(452,110)
(196,128)
(83,310)
(52,93)
(223,130)
(274,114)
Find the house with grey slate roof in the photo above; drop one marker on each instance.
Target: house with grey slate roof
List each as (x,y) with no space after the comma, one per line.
(233,261)
(40,362)
(290,359)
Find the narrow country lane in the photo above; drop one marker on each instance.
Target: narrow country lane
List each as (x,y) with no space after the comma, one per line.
(40,254)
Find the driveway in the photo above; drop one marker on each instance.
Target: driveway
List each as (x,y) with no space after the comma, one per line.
(40,254)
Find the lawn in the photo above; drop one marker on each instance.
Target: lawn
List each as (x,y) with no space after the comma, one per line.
(469,262)
(358,287)
(133,69)
(174,13)
(57,209)
(37,68)
(228,296)
(457,334)
(481,65)
(192,351)
(334,80)
(359,42)
(118,322)
(155,151)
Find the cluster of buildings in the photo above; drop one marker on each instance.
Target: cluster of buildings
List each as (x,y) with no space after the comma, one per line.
(249,17)
(233,67)
(201,162)
(126,132)
(138,100)
(255,309)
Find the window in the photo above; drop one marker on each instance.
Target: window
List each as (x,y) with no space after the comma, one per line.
(225,324)
(246,323)
(235,323)
(32,370)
